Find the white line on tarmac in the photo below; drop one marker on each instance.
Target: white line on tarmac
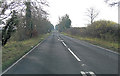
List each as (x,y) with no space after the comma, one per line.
(64,44)
(61,40)
(74,54)
(92,73)
(83,73)
(20,58)
(103,48)
(70,51)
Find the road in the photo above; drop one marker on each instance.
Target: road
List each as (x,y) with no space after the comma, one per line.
(59,54)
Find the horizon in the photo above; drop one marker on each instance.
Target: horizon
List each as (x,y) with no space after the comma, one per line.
(77,11)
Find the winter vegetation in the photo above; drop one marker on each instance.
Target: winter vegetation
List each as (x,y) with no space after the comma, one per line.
(104,33)
(25,24)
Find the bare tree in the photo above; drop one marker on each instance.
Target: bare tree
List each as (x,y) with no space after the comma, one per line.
(92,14)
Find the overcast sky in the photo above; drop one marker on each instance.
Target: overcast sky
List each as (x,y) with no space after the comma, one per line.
(76,10)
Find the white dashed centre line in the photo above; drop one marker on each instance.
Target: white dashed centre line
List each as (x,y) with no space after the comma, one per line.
(74,54)
(61,40)
(83,73)
(69,49)
(87,73)
(64,44)
(92,73)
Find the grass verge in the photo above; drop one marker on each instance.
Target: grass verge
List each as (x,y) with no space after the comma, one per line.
(13,50)
(100,42)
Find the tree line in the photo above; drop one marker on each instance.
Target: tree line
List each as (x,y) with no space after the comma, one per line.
(103,29)
(23,19)
(64,23)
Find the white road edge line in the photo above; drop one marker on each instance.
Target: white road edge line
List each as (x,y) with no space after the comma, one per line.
(92,73)
(106,49)
(21,58)
(74,54)
(83,73)
(98,46)
(103,48)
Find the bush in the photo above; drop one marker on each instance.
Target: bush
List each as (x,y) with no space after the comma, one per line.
(102,29)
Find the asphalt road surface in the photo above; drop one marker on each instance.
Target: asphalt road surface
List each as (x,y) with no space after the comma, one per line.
(59,54)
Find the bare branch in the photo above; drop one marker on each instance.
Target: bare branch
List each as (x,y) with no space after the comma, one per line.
(92,14)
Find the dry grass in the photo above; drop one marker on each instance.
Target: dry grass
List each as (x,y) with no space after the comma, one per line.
(100,42)
(13,50)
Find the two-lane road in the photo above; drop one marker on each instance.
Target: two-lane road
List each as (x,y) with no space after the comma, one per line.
(60,54)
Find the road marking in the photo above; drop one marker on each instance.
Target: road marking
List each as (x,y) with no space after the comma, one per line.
(92,73)
(64,44)
(61,40)
(83,65)
(83,73)
(87,73)
(74,54)
(21,58)
(103,48)
(98,46)
(70,50)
